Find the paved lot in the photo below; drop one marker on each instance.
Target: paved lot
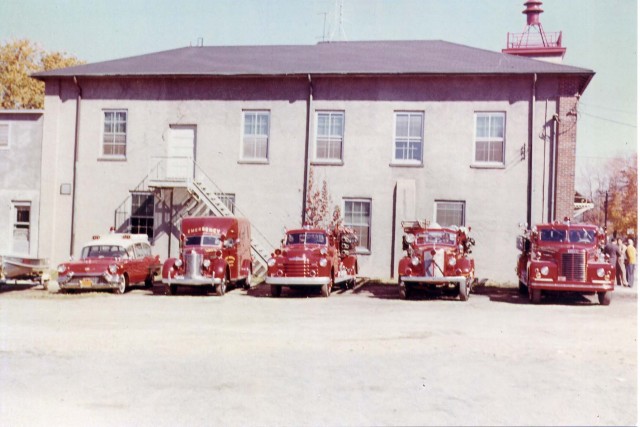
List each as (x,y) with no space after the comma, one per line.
(360,357)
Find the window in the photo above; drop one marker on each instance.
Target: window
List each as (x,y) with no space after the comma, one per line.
(489,141)
(142,210)
(4,136)
(255,144)
(329,136)
(408,138)
(450,213)
(21,227)
(229,199)
(357,216)
(114,139)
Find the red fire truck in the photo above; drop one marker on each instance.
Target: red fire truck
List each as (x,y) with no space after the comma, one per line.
(436,257)
(214,252)
(314,257)
(564,257)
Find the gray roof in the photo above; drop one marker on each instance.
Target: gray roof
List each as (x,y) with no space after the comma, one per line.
(335,58)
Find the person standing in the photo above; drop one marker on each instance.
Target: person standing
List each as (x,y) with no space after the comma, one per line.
(611,249)
(621,271)
(630,262)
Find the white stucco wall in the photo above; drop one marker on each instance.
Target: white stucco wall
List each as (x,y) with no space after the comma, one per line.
(270,195)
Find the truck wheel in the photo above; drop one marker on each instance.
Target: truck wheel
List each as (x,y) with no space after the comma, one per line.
(246,285)
(122,285)
(170,289)
(522,288)
(276,291)
(463,291)
(403,290)
(326,290)
(604,298)
(535,295)
(221,288)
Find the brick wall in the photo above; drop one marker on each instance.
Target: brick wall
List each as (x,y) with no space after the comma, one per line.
(566,140)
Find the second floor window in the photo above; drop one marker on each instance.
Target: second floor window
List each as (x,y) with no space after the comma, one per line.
(408,139)
(489,141)
(329,136)
(114,138)
(255,143)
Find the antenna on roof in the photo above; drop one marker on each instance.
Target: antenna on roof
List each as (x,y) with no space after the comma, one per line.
(200,41)
(338,22)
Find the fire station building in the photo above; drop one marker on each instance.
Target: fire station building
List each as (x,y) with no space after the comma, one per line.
(399,130)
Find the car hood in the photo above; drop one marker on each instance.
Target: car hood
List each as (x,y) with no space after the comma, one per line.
(90,265)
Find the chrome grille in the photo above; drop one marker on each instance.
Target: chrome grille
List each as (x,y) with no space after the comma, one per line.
(193,264)
(296,268)
(574,266)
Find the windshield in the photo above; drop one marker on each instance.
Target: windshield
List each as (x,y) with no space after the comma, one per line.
(553,235)
(202,241)
(440,237)
(306,238)
(582,236)
(103,251)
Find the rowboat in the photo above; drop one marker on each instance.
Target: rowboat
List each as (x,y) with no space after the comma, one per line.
(18,267)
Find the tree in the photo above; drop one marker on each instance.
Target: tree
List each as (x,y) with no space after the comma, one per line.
(318,206)
(18,60)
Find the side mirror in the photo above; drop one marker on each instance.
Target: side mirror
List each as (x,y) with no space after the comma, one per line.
(519,243)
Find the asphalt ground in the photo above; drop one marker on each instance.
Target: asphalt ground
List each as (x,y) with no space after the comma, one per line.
(359,357)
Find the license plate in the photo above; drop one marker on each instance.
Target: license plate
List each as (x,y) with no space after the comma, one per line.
(86,283)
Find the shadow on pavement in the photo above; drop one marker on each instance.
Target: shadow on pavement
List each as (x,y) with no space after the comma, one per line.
(18,286)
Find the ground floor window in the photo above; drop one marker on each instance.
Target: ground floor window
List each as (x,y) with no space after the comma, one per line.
(357,215)
(450,212)
(142,212)
(21,227)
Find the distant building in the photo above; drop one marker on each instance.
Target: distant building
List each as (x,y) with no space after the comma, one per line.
(20,166)
(398,129)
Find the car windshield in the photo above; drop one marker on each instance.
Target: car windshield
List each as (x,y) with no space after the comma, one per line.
(582,236)
(103,251)
(202,241)
(440,237)
(553,235)
(306,238)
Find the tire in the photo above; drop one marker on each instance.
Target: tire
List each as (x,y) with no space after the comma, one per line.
(604,298)
(463,290)
(325,290)
(123,285)
(170,289)
(148,282)
(221,288)
(522,288)
(276,291)
(535,295)
(403,290)
(246,285)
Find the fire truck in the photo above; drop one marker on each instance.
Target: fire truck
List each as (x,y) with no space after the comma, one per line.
(214,252)
(436,258)
(314,257)
(564,257)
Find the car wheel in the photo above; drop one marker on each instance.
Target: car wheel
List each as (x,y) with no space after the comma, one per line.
(122,285)
(535,295)
(148,282)
(463,290)
(604,298)
(276,290)
(522,288)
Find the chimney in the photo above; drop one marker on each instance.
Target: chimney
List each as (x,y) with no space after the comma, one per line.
(533,42)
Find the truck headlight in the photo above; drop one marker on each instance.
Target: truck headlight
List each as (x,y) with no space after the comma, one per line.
(452,261)
(178,263)
(206,263)
(271,262)
(544,270)
(323,251)
(322,262)
(113,269)
(415,260)
(600,272)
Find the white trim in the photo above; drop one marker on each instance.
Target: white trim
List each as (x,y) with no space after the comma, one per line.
(117,157)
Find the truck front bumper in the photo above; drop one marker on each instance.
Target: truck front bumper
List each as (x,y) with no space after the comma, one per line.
(433,280)
(191,281)
(298,281)
(595,286)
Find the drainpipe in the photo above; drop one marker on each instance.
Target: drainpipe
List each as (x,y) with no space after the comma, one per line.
(75,166)
(554,170)
(306,150)
(532,117)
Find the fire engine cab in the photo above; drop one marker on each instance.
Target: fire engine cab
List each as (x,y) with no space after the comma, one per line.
(214,252)
(314,257)
(436,257)
(564,257)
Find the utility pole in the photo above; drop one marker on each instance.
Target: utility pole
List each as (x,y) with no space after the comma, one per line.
(606,210)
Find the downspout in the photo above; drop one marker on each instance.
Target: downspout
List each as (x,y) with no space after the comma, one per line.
(530,150)
(75,166)
(554,170)
(306,151)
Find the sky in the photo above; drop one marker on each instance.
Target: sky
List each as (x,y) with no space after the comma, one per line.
(599,35)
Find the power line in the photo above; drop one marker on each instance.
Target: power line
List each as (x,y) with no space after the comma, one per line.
(582,103)
(608,120)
